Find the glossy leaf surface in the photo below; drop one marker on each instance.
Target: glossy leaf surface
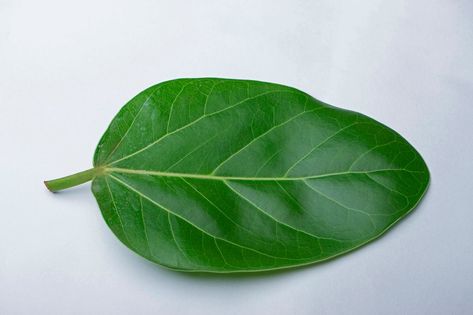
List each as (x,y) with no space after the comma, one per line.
(223,175)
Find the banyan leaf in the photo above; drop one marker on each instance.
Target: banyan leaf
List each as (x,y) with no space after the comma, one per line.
(221,175)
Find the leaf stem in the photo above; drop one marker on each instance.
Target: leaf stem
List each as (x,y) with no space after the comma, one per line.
(73,180)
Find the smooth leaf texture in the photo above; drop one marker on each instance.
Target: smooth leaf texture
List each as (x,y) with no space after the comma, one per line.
(220,175)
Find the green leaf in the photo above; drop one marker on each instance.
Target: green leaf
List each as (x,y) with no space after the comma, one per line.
(220,175)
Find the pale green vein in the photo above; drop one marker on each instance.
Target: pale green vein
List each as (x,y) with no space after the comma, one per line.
(387,188)
(192,151)
(217,207)
(259,137)
(175,240)
(308,213)
(174,101)
(117,212)
(209,94)
(368,151)
(197,227)
(299,204)
(144,226)
(130,126)
(221,255)
(318,146)
(369,215)
(267,162)
(196,121)
(273,218)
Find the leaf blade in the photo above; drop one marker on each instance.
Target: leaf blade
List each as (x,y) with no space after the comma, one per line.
(252,176)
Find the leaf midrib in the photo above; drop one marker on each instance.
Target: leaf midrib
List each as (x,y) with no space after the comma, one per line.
(243,178)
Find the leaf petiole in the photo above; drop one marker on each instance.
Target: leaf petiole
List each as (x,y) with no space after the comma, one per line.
(73,180)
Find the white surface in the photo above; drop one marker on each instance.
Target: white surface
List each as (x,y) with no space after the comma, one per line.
(66,67)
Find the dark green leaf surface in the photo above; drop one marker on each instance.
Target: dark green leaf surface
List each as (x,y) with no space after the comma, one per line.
(222,175)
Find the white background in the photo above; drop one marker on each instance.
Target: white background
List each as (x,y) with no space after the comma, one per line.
(66,68)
